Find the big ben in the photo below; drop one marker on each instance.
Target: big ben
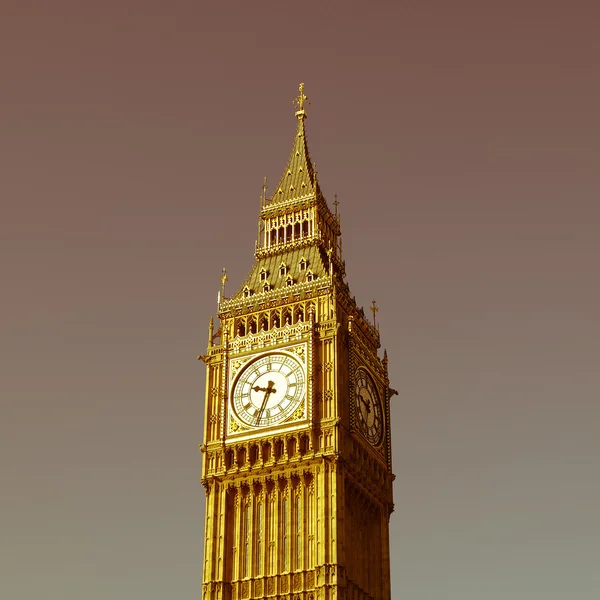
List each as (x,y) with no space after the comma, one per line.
(297,448)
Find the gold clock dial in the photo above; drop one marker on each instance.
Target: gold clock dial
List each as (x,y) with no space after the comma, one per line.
(268,390)
(368,408)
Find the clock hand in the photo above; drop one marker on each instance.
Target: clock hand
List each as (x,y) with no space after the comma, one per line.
(368,406)
(268,391)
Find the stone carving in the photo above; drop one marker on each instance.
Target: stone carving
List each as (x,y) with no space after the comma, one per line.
(236,427)
(299,350)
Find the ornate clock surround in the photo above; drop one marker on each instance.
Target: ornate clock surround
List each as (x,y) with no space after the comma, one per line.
(301,415)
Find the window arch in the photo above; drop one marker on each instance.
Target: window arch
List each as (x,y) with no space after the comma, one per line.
(241,328)
(252,325)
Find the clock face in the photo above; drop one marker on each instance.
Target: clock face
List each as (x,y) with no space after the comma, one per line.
(268,390)
(368,408)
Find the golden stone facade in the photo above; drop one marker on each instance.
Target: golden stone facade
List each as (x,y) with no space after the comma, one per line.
(297,447)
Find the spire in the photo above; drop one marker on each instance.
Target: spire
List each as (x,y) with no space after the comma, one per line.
(299,178)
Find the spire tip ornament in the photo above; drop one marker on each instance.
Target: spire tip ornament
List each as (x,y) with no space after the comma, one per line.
(299,102)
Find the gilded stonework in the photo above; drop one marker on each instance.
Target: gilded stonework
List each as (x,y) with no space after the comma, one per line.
(297,431)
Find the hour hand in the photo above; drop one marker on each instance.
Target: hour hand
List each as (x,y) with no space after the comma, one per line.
(270,389)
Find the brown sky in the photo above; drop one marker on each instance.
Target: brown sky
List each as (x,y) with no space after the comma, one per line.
(462,141)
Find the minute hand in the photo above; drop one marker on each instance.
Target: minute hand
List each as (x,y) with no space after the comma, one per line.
(268,391)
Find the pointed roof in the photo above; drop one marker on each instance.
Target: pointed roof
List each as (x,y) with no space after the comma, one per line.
(299,179)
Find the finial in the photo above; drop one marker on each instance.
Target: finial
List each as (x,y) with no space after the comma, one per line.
(336,203)
(373,308)
(224,280)
(264,196)
(211,331)
(299,102)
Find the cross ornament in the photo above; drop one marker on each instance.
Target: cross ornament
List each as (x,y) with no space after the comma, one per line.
(301,99)
(373,308)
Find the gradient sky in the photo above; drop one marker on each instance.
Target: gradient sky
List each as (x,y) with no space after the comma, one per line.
(462,139)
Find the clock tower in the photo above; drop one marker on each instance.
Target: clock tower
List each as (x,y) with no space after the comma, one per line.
(297,448)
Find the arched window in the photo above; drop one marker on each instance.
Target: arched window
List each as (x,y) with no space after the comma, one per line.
(283,269)
(241,457)
(278,449)
(271,535)
(263,274)
(303,264)
(253,454)
(266,451)
(284,532)
(259,538)
(252,326)
(298,524)
(309,522)
(246,535)
(291,446)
